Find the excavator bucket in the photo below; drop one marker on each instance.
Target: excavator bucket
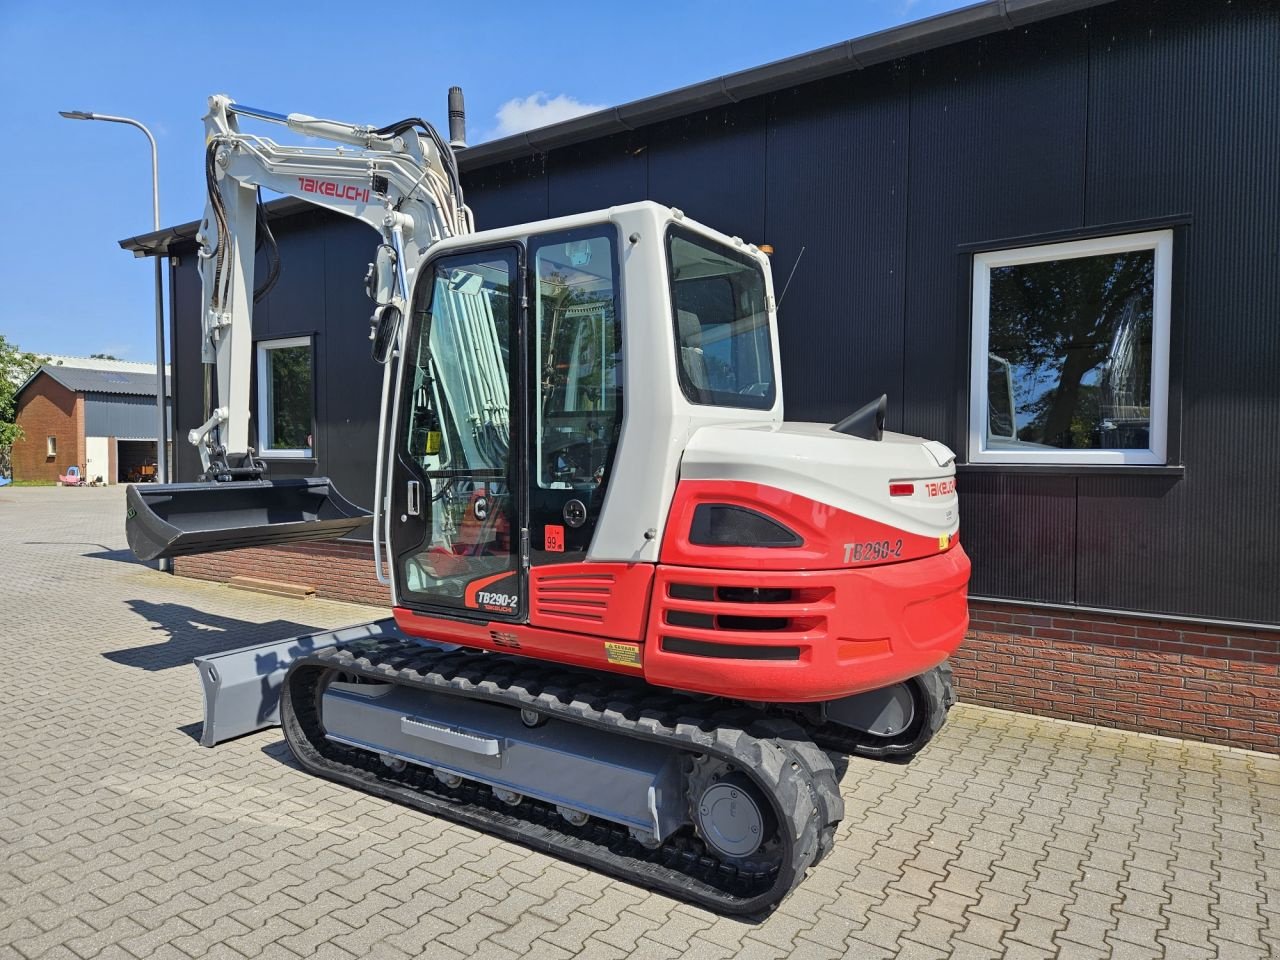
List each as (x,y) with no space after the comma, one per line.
(180,519)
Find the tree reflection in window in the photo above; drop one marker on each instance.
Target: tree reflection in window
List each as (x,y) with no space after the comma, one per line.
(1076,334)
(289,398)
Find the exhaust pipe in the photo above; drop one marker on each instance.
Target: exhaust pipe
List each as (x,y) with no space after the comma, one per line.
(457,119)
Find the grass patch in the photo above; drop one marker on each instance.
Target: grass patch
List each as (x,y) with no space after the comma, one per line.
(33,483)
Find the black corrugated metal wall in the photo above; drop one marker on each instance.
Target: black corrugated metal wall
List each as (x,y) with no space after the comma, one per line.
(1137,110)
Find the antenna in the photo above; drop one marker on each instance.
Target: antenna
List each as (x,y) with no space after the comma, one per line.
(787,285)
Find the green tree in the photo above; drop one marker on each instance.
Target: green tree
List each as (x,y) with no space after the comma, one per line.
(15,367)
(102,356)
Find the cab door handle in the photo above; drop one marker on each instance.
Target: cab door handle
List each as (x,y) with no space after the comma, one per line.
(413,506)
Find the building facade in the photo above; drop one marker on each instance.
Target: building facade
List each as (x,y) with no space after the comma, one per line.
(1047,230)
(97,415)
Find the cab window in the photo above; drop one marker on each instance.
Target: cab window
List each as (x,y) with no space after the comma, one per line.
(578,360)
(723,350)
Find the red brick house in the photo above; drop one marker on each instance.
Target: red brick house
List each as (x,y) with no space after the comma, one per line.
(98,415)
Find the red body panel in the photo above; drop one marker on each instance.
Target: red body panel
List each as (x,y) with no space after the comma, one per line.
(578,649)
(825,530)
(772,624)
(605,599)
(842,631)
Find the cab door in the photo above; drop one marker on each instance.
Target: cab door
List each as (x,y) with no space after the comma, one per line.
(457,505)
(575,396)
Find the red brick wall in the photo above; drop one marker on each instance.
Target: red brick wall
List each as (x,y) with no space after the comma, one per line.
(1197,681)
(338,571)
(48,409)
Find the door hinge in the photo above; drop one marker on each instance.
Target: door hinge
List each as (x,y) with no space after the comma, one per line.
(524,548)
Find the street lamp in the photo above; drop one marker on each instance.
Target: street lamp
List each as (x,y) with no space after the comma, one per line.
(162,470)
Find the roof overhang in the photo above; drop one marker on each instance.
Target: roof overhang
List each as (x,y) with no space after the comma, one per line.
(954,26)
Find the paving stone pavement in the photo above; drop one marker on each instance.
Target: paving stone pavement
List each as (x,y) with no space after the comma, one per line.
(120,837)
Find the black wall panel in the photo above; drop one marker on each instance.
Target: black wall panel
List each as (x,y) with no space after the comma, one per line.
(997,131)
(1132,110)
(1184,118)
(1020,533)
(600,174)
(836,188)
(187,374)
(508,193)
(348,382)
(711,166)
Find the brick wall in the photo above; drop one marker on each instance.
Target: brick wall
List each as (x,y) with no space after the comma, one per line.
(1188,680)
(48,409)
(338,571)
(1199,681)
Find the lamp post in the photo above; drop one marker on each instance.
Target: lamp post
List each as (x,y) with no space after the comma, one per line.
(162,469)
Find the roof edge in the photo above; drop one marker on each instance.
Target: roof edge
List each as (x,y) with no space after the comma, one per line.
(953,26)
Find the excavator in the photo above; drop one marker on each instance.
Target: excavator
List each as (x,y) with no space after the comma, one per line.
(635,609)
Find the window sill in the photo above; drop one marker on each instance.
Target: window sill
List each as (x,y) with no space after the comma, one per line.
(1077,469)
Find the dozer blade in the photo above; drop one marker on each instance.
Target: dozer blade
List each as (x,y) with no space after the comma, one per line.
(180,519)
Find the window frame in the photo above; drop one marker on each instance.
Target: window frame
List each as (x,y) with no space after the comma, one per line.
(50,447)
(690,392)
(262,349)
(1161,243)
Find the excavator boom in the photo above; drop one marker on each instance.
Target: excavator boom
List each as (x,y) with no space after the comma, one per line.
(402,181)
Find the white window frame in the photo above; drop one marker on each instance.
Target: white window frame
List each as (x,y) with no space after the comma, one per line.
(50,447)
(263,348)
(1161,241)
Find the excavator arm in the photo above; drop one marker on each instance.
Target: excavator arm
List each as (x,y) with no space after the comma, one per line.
(401,180)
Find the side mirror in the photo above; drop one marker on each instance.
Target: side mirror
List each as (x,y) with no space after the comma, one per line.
(385,325)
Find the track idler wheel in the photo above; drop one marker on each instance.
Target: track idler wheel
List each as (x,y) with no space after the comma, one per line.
(729,815)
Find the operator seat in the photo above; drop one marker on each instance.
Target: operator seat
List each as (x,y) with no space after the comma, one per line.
(695,364)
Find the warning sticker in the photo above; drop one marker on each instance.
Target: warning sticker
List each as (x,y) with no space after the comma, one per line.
(624,653)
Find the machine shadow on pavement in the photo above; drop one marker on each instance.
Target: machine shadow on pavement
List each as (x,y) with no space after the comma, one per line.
(187,633)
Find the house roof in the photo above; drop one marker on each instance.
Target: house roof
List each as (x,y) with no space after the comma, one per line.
(966,23)
(101,363)
(141,382)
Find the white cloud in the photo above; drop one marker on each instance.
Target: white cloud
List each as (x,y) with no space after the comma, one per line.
(538,110)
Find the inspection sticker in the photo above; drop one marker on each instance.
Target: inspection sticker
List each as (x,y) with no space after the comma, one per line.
(624,653)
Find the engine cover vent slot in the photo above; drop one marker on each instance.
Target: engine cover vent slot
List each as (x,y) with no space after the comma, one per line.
(729,651)
(724,525)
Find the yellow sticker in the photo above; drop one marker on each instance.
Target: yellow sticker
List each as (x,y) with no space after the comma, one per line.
(624,653)
(944,541)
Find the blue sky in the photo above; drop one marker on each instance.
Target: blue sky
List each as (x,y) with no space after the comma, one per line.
(73,189)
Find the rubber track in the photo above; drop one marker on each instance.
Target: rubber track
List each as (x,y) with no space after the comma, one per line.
(934,696)
(790,770)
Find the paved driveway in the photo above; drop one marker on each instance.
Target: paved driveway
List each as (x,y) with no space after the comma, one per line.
(120,837)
